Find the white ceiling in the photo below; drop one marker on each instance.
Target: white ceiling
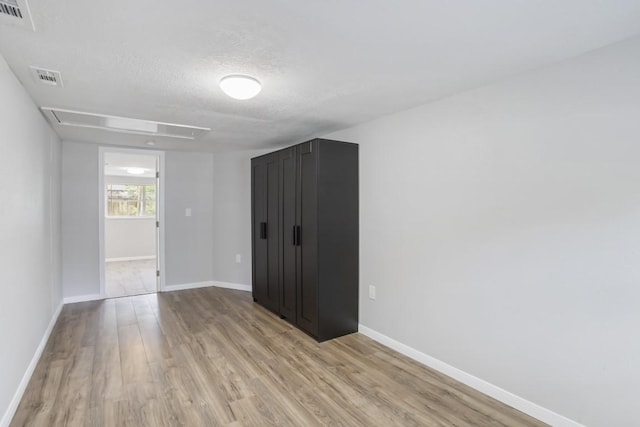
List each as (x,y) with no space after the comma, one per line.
(324,65)
(116,164)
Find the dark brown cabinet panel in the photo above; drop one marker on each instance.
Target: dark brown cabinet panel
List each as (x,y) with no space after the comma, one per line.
(266,262)
(308,255)
(307,248)
(273,229)
(259,223)
(288,297)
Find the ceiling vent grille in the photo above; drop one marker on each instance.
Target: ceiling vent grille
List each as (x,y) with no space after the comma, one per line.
(47,77)
(11,8)
(16,12)
(60,117)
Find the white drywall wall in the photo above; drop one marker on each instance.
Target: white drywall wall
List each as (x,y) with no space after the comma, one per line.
(129,238)
(501,228)
(232,216)
(29,234)
(80,259)
(133,180)
(189,185)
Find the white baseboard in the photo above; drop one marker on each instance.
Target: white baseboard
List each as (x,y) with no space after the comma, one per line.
(131,258)
(504,396)
(184,286)
(83,298)
(236,286)
(226,285)
(17,397)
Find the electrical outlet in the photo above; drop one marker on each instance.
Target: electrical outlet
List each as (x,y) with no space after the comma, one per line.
(372,292)
(238,258)
(187,212)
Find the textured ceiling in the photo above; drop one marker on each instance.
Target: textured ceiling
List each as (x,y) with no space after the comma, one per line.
(324,65)
(116,164)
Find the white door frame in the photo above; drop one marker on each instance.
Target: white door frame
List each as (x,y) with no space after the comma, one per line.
(159,211)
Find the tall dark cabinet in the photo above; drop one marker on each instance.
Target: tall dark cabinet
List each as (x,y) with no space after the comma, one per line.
(305,236)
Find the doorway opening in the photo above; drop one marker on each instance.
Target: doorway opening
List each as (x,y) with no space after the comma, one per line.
(131,211)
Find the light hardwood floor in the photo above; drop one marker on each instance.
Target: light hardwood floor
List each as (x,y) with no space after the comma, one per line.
(124,278)
(211,356)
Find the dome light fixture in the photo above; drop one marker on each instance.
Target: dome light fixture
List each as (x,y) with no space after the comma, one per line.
(240,87)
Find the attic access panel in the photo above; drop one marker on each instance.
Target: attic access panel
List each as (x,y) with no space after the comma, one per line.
(122,124)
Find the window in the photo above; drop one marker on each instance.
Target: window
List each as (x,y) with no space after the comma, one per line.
(131,200)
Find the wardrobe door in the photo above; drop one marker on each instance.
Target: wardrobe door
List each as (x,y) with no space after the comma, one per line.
(288,243)
(259,227)
(271,297)
(307,238)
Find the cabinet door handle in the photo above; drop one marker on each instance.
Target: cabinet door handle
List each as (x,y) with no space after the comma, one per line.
(263,230)
(298,238)
(293,233)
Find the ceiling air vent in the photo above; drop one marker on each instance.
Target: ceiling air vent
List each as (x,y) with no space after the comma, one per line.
(47,77)
(121,124)
(11,8)
(16,12)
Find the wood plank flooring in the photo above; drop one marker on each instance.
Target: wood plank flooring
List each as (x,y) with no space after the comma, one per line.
(211,357)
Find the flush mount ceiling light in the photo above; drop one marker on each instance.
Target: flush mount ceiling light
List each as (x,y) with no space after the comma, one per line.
(240,87)
(135,171)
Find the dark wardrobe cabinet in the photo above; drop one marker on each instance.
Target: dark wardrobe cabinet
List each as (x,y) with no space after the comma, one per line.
(305,236)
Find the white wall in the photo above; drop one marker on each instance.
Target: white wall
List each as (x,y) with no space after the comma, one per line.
(232,216)
(501,229)
(129,238)
(80,249)
(29,234)
(133,180)
(189,248)
(188,183)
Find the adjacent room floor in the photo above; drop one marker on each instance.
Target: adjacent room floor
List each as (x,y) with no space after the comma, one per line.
(211,356)
(124,278)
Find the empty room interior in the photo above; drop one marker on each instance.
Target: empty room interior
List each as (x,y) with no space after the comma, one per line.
(364,213)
